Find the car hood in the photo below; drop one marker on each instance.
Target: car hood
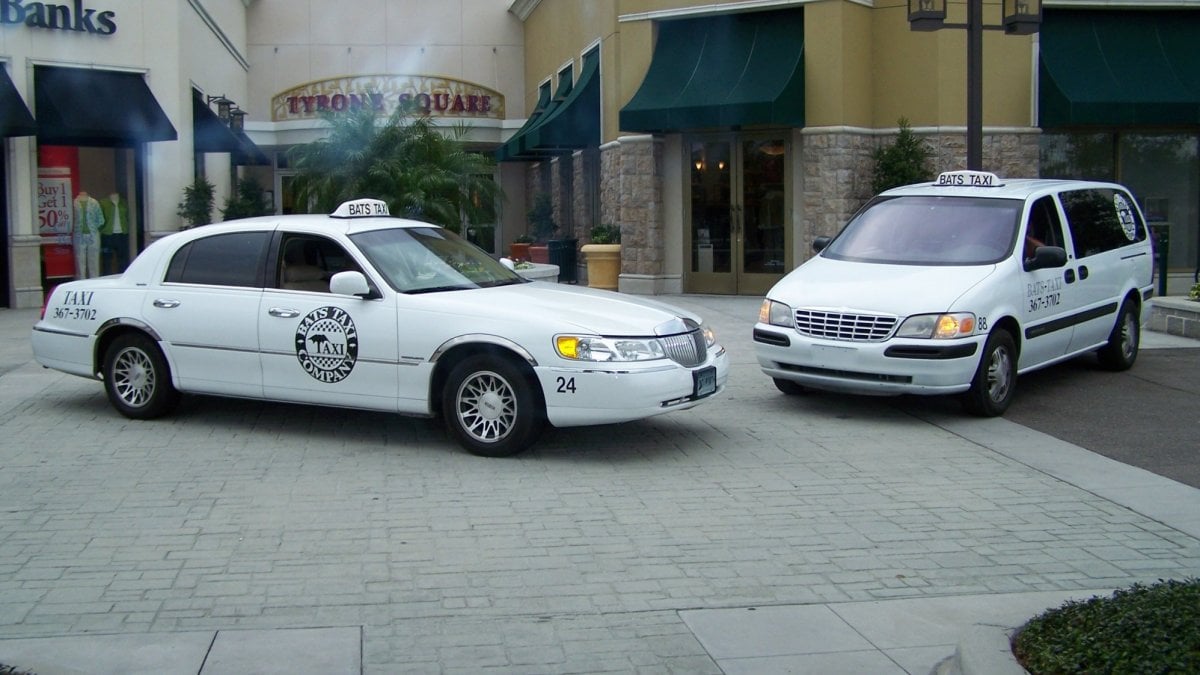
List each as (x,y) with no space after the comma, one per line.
(568,307)
(901,290)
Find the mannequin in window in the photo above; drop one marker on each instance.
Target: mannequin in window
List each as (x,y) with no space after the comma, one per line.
(114,235)
(85,235)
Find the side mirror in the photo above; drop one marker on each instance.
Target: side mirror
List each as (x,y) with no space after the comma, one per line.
(507,262)
(350,283)
(820,243)
(1045,257)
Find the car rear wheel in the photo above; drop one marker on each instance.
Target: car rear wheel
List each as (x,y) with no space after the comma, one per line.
(490,407)
(1122,348)
(995,379)
(137,379)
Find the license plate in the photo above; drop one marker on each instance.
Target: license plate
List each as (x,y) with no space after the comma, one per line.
(705,381)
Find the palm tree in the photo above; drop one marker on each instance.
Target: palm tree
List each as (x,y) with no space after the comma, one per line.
(406,161)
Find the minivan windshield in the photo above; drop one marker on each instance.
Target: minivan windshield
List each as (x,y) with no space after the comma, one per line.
(929,230)
(431,259)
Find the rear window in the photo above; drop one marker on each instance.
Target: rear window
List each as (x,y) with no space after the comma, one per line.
(929,230)
(221,260)
(1101,219)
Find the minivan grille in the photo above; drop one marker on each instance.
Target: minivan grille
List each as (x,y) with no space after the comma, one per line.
(686,349)
(844,325)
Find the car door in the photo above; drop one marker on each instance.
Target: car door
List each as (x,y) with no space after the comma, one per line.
(206,313)
(1047,297)
(318,347)
(1103,225)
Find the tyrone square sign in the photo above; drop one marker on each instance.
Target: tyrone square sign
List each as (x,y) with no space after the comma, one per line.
(435,96)
(74,17)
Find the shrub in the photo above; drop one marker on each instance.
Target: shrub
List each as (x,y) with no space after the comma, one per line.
(902,163)
(247,200)
(541,217)
(1142,629)
(196,207)
(606,234)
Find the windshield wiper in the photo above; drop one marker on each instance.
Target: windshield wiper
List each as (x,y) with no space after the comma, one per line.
(438,289)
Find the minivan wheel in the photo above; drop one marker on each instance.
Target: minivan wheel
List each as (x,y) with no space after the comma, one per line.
(1122,348)
(489,407)
(137,378)
(995,379)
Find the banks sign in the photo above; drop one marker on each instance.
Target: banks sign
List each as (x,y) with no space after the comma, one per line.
(73,17)
(434,96)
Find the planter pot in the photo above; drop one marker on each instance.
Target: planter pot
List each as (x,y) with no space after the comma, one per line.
(603,265)
(539,253)
(518,251)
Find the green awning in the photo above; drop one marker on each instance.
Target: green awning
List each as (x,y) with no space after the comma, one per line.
(732,70)
(511,149)
(1119,68)
(575,123)
(15,119)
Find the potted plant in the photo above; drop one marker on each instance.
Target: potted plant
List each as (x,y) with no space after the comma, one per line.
(603,256)
(197,204)
(519,249)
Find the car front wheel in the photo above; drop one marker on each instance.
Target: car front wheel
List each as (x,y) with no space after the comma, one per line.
(995,379)
(490,408)
(137,379)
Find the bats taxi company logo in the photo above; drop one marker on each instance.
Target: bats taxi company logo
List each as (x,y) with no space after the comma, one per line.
(327,344)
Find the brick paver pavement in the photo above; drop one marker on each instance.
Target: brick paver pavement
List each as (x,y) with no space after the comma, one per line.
(574,557)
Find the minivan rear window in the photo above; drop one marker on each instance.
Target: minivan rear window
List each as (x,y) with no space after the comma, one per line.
(929,230)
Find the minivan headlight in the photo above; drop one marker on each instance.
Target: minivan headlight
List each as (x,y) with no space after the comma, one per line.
(938,326)
(776,314)
(595,348)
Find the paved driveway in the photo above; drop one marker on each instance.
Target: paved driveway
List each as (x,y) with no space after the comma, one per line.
(578,556)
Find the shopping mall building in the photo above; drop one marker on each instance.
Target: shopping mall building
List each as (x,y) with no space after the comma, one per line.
(721,136)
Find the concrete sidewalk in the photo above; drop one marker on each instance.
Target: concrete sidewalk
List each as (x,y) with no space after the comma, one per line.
(753,535)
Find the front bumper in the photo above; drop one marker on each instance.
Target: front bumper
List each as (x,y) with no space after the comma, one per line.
(887,368)
(605,393)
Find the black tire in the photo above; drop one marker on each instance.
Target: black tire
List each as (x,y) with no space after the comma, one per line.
(1122,349)
(137,378)
(995,379)
(789,387)
(490,407)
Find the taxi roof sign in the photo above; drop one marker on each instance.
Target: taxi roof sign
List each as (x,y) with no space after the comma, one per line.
(362,208)
(968,179)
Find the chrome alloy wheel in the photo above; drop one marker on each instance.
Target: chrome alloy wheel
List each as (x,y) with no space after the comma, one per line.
(134,377)
(999,374)
(486,406)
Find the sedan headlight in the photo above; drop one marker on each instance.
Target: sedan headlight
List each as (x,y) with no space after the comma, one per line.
(938,326)
(710,338)
(594,348)
(776,314)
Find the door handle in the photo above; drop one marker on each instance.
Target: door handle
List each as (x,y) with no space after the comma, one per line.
(165,303)
(1083,272)
(1069,276)
(283,312)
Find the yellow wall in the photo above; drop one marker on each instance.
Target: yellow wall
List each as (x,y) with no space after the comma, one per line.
(864,66)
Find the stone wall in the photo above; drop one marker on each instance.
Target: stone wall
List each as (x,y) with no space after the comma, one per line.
(639,205)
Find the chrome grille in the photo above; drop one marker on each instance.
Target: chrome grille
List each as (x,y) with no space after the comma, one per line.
(844,325)
(686,349)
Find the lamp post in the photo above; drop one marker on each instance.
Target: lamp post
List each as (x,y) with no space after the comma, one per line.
(224,105)
(237,119)
(1020,17)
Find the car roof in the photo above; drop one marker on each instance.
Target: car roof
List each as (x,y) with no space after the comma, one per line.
(341,221)
(989,186)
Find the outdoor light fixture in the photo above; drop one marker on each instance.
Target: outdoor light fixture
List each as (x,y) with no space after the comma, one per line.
(926,14)
(237,118)
(699,164)
(223,106)
(1022,17)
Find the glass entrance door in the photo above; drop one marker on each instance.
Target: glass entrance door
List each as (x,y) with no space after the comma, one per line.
(738,233)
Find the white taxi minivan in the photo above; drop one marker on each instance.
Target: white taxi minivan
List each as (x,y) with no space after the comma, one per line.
(958,286)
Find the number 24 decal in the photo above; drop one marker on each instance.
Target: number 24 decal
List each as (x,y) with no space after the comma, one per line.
(566,385)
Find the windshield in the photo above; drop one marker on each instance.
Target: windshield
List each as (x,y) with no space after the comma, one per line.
(929,231)
(430,259)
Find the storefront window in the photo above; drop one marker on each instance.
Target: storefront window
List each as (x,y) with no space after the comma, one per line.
(1162,170)
(86,217)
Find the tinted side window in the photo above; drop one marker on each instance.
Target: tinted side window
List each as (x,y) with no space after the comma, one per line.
(1101,220)
(234,259)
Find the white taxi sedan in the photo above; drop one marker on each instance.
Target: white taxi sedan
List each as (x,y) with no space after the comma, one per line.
(362,310)
(958,286)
